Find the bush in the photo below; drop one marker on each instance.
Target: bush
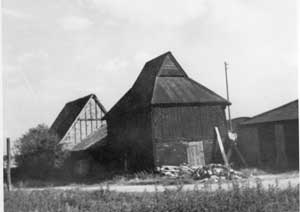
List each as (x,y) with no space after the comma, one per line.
(238,199)
(38,152)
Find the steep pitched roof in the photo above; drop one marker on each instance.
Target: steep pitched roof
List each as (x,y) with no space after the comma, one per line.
(285,112)
(96,138)
(163,81)
(68,114)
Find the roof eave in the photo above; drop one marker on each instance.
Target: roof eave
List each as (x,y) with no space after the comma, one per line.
(267,122)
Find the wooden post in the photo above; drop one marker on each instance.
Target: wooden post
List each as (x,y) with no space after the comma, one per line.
(221,147)
(85,121)
(75,132)
(80,128)
(227,91)
(229,115)
(96,114)
(8,163)
(91,116)
(101,115)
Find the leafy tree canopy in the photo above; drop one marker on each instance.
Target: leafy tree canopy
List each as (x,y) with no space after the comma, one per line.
(38,152)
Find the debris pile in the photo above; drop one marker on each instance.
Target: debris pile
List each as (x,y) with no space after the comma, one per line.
(210,171)
(216,171)
(175,171)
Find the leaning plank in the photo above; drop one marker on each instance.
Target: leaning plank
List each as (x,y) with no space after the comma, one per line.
(221,147)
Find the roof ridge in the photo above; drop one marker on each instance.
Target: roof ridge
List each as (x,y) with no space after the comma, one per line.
(78,99)
(164,54)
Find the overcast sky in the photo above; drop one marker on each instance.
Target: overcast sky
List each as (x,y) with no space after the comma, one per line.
(57,51)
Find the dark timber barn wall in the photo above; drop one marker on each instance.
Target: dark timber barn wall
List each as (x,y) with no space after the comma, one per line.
(173,127)
(271,139)
(165,118)
(130,134)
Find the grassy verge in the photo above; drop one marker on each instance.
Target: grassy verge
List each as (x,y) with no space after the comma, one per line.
(238,199)
(139,178)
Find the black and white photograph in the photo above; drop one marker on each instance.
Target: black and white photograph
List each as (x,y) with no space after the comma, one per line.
(149,106)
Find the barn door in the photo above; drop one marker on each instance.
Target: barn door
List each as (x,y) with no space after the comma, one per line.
(195,154)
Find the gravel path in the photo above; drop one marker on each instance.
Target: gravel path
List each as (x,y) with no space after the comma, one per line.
(281,181)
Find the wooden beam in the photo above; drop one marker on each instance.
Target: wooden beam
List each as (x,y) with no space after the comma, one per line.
(221,147)
(75,132)
(85,121)
(91,116)
(101,115)
(88,119)
(96,113)
(80,126)
(8,164)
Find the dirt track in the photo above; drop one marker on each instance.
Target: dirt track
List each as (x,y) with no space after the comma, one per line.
(281,181)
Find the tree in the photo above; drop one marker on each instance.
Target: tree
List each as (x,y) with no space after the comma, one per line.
(38,152)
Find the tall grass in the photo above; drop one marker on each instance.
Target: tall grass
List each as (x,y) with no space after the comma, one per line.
(239,199)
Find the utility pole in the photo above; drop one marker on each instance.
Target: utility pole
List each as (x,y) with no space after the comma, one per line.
(233,145)
(8,163)
(227,90)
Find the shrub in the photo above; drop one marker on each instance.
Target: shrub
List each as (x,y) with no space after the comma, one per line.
(38,152)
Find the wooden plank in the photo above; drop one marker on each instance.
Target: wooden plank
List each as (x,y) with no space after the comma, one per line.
(195,153)
(221,146)
(201,153)
(8,163)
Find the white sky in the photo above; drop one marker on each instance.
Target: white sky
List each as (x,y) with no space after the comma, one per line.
(57,51)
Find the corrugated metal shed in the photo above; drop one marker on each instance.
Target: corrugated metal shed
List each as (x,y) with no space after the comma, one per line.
(285,112)
(96,138)
(163,81)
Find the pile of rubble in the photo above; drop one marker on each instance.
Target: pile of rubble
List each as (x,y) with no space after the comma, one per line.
(210,171)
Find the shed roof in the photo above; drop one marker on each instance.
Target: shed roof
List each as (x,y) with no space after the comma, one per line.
(96,138)
(163,81)
(285,112)
(68,114)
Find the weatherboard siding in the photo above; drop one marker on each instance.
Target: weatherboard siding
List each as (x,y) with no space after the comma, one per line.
(174,127)
(187,123)
(85,124)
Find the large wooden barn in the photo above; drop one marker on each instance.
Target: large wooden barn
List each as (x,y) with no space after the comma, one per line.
(271,139)
(165,118)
